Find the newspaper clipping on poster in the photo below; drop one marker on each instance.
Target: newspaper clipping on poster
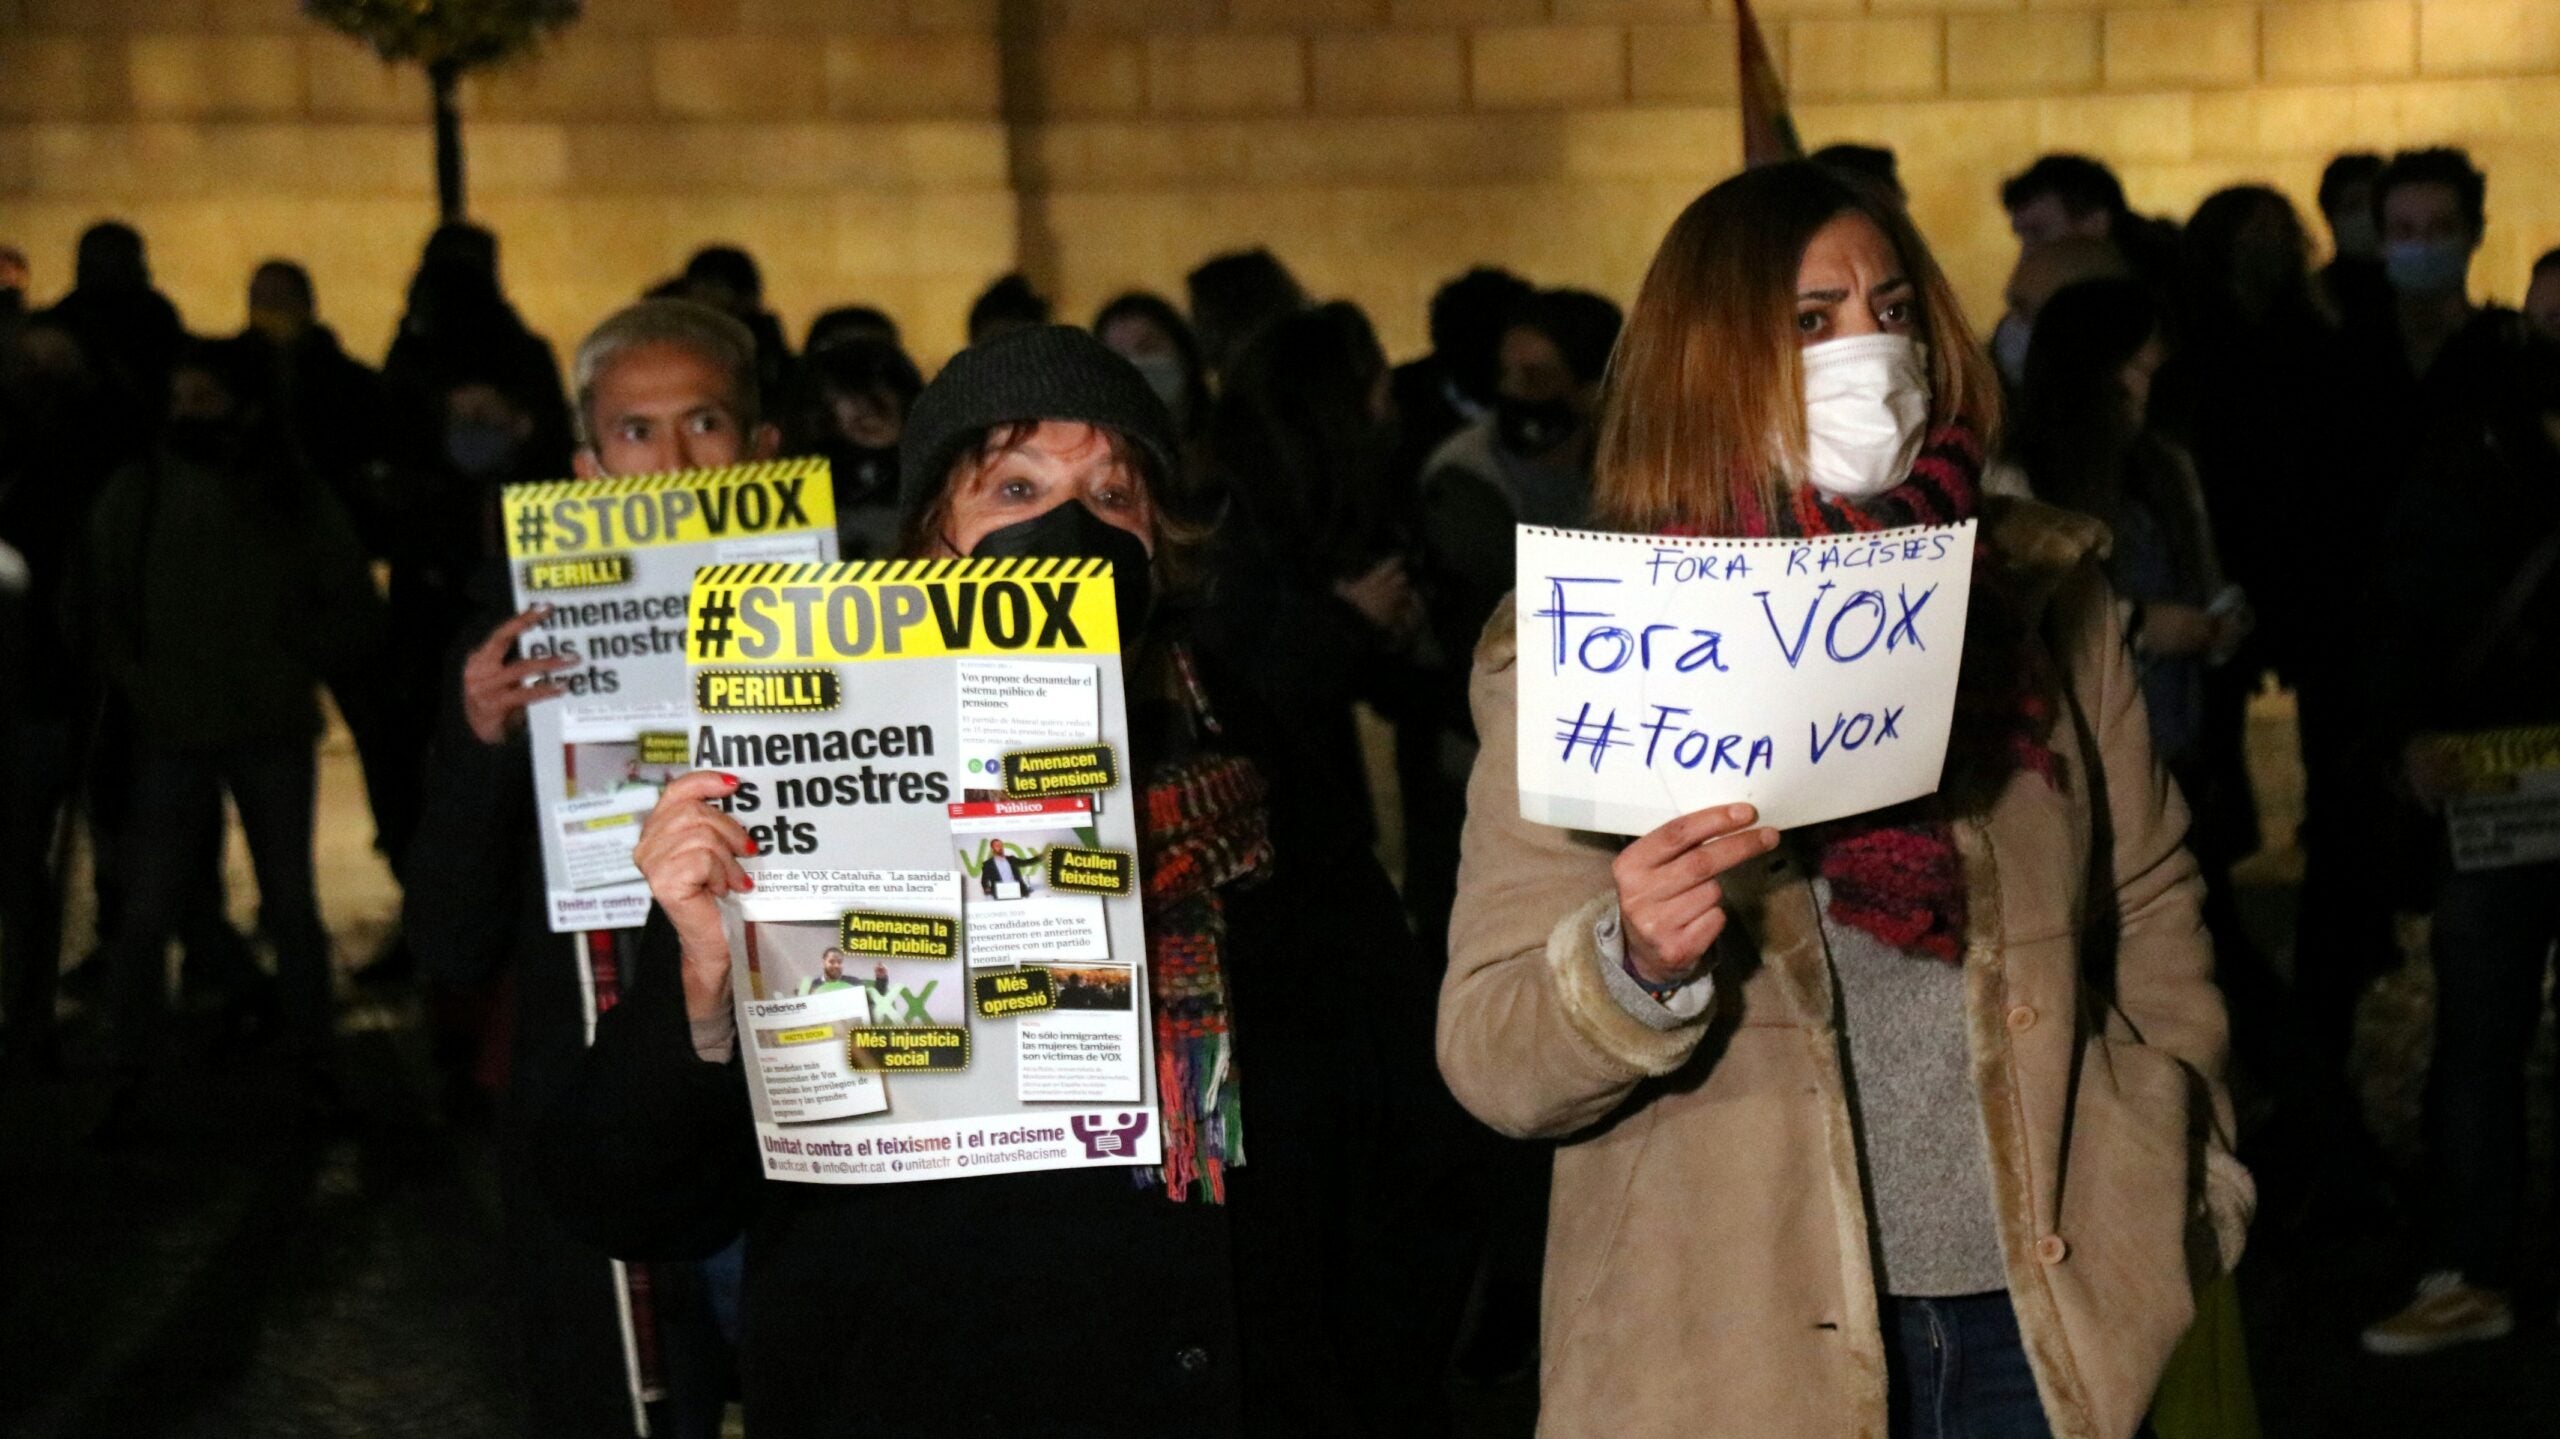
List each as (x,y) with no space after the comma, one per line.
(614,559)
(940,970)
(1811,678)
(2504,808)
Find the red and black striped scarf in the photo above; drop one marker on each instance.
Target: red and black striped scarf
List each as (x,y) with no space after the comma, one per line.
(1895,873)
(1202,825)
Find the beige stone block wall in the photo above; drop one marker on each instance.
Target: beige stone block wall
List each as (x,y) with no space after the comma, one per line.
(903,152)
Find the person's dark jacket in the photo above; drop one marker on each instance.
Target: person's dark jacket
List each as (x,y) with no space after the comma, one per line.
(132,335)
(475,910)
(63,446)
(1074,1303)
(2483,495)
(330,403)
(1301,656)
(431,355)
(999,869)
(218,594)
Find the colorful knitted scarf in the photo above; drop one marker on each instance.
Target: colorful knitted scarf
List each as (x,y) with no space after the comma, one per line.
(1895,873)
(1201,825)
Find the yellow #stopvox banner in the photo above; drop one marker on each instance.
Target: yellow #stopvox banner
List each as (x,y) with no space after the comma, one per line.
(900,609)
(580,517)
(2490,760)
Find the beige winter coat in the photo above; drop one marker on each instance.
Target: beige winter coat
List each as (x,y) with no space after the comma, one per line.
(1708,1263)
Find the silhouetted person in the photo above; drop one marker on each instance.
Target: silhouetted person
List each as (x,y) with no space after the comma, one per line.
(1145,329)
(458,323)
(662,385)
(1234,295)
(850,404)
(2353,279)
(2073,196)
(222,580)
(2468,621)
(727,279)
(326,400)
(2420,374)
(1872,163)
(1312,608)
(131,331)
(1529,462)
(1453,387)
(1008,305)
(851,322)
(14,279)
(2044,269)
(58,445)
(2542,296)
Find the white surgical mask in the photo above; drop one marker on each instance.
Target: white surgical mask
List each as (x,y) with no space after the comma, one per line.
(1866,409)
(2009,340)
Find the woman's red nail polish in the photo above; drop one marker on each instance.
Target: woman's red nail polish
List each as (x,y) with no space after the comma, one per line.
(746,881)
(751,845)
(730,780)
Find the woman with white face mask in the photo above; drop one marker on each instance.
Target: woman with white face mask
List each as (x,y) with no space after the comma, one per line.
(1911,1123)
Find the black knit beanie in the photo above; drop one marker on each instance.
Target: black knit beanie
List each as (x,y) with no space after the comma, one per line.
(1048,372)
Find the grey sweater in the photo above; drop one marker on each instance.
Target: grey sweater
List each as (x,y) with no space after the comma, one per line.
(1910,1072)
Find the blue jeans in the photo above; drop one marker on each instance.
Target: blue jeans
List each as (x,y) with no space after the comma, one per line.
(1958,1370)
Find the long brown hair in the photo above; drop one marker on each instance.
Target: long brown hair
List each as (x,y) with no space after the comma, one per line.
(1704,415)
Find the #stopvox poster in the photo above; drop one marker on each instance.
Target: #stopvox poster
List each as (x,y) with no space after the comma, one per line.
(940,969)
(614,561)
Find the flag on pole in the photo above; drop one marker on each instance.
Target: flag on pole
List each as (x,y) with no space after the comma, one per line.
(1768,135)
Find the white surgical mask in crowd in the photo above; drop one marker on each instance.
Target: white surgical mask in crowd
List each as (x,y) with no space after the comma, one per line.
(2427,267)
(1866,409)
(2009,340)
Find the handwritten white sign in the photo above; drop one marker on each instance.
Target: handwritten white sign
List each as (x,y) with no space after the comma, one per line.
(1811,678)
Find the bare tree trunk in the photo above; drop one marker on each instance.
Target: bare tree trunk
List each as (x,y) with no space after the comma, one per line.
(446,78)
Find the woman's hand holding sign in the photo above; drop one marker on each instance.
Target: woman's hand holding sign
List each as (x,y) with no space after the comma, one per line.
(689,852)
(1670,906)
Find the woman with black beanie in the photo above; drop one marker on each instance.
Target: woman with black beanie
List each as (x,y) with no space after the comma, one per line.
(1295,1294)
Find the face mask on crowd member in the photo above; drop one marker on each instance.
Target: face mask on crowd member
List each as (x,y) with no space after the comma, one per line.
(2427,240)
(1058,490)
(484,432)
(1044,443)
(1866,376)
(1539,407)
(2009,342)
(1149,333)
(669,385)
(2044,269)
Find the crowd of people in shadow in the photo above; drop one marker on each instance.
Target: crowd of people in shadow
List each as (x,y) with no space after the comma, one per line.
(2316,461)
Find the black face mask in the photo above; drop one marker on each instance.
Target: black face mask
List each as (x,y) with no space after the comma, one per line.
(1071,531)
(863,475)
(1533,427)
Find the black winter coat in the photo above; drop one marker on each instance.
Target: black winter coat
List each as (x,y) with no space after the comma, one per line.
(1318,1301)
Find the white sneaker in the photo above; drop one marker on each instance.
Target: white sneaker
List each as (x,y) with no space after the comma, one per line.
(2449,1310)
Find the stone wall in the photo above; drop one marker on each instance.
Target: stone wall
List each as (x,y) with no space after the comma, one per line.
(904,151)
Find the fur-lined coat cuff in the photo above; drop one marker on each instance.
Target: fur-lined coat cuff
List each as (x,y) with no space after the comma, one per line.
(1580,972)
(2230,1203)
